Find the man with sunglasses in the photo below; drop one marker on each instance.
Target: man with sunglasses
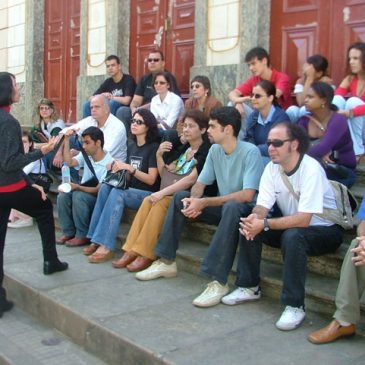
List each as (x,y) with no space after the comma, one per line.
(236,166)
(144,90)
(298,185)
(258,61)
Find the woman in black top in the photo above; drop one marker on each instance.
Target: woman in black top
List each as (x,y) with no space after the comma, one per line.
(16,191)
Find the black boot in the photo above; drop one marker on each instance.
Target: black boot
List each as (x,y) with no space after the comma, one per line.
(5,305)
(50,267)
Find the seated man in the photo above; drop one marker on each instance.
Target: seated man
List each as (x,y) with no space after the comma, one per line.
(258,61)
(236,166)
(115,136)
(145,90)
(298,184)
(75,208)
(349,291)
(118,88)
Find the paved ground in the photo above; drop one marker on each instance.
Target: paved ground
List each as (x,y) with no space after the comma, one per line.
(129,322)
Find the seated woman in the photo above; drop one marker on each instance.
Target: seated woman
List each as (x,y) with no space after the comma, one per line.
(148,223)
(354,107)
(111,202)
(165,106)
(315,69)
(267,111)
(331,141)
(48,124)
(18,219)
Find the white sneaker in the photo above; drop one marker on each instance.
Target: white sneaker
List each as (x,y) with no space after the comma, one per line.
(241,295)
(212,295)
(291,318)
(158,270)
(20,223)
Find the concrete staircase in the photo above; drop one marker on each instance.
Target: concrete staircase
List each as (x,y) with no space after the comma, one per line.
(104,336)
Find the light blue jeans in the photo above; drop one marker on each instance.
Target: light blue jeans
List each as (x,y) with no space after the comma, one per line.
(74,212)
(356,124)
(108,213)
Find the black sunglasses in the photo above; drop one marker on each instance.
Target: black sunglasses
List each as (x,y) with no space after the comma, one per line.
(256,96)
(153,59)
(277,142)
(137,121)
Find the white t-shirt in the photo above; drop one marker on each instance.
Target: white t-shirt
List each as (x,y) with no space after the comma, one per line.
(309,181)
(35,167)
(115,136)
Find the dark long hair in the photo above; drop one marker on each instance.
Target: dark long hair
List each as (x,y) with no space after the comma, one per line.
(324,91)
(360,46)
(153,133)
(6,88)
(270,90)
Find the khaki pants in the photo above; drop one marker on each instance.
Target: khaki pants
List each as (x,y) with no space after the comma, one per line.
(350,289)
(146,227)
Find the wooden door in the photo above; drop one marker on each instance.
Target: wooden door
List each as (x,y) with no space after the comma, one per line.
(300,28)
(62,55)
(168,26)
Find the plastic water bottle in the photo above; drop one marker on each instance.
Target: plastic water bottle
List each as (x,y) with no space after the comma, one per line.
(66,178)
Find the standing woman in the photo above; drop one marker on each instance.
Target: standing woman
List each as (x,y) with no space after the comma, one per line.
(111,202)
(354,107)
(15,191)
(331,142)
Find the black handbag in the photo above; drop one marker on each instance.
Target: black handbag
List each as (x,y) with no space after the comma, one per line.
(43,180)
(117,179)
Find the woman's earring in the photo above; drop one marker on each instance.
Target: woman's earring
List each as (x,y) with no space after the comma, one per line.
(322,106)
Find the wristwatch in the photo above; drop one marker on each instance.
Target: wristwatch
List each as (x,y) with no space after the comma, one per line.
(266,225)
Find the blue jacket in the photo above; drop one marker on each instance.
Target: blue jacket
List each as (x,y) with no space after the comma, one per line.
(257,133)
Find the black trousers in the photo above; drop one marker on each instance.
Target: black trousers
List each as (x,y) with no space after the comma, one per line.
(28,200)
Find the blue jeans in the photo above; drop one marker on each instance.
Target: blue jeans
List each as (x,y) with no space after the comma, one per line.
(108,213)
(74,212)
(125,115)
(114,105)
(296,245)
(218,261)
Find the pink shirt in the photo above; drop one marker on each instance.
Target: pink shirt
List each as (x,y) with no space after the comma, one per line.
(352,89)
(279,79)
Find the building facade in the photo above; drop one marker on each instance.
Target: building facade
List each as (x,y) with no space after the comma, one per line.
(57,48)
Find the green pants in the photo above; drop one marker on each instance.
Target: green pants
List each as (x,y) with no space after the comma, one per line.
(350,289)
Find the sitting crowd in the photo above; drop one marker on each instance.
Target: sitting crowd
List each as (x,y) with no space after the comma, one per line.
(258,169)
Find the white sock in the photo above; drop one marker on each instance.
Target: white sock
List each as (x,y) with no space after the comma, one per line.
(343,323)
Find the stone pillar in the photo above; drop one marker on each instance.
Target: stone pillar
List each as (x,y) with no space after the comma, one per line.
(32,89)
(117,42)
(254,31)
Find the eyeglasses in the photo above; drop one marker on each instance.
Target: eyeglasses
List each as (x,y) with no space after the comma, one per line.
(257,96)
(195,86)
(137,121)
(160,83)
(44,108)
(153,59)
(277,142)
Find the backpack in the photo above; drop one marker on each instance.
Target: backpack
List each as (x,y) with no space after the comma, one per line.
(345,201)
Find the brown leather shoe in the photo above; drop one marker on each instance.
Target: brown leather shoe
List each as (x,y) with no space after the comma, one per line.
(89,250)
(331,333)
(75,242)
(97,258)
(139,264)
(63,239)
(125,260)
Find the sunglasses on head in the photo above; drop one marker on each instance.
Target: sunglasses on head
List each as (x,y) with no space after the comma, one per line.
(153,59)
(277,142)
(137,121)
(160,83)
(256,96)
